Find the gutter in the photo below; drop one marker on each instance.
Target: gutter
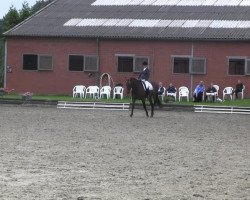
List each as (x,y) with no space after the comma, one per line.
(5,64)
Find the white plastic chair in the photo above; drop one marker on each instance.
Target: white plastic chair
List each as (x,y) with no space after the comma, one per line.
(105,91)
(118,92)
(163,94)
(92,92)
(183,92)
(79,90)
(172,94)
(228,92)
(215,94)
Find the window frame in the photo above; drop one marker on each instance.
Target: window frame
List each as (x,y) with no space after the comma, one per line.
(30,54)
(39,67)
(190,60)
(79,55)
(38,57)
(97,63)
(237,58)
(133,57)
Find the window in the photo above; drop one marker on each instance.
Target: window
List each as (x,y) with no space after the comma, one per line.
(131,63)
(181,65)
(198,66)
(30,62)
(125,64)
(76,63)
(186,65)
(91,63)
(248,68)
(138,63)
(37,62)
(45,62)
(236,66)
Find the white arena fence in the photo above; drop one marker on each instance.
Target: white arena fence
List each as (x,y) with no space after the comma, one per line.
(93,105)
(222,109)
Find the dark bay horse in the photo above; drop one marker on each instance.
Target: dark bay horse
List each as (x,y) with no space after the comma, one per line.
(138,93)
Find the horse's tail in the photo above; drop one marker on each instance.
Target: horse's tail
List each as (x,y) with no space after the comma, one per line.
(156,97)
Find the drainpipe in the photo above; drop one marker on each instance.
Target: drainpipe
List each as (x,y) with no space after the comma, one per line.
(191,65)
(97,74)
(5,64)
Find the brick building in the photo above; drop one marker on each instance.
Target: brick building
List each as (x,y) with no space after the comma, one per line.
(184,41)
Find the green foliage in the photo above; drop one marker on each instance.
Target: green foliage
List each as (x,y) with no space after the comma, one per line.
(25,12)
(39,5)
(10,19)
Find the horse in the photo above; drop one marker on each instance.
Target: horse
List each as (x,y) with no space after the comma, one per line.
(138,93)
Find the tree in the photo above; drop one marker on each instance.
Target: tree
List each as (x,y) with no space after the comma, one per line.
(10,19)
(39,5)
(25,12)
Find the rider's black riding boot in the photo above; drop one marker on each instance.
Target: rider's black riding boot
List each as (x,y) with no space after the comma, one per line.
(147,92)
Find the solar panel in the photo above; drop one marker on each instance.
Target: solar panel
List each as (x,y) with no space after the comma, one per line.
(143,23)
(203,23)
(245,3)
(190,23)
(135,2)
(163,23)
(229,24)
(208,2)
(243,24)
(148,2)
(111,22)
(177,23)
(72,22)
(124,22)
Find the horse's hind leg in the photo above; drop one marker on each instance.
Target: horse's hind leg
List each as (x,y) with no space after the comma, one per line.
(144,106)
(133,106)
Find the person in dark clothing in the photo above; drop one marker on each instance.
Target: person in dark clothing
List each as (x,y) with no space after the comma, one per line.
(171,88)
(160,89)
(211,92)
(238,88)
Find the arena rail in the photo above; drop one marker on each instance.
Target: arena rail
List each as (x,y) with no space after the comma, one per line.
(222,109)
(93,105)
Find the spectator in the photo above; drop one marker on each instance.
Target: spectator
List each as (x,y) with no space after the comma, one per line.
(198,92)
(171,88)
(238,88)
(211,92)
(160,89)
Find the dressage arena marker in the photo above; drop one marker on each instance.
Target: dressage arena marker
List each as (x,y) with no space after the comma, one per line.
(222,109)
(93,105)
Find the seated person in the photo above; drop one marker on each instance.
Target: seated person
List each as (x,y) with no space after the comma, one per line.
(171,88)
(211,92)
(198,92)
(160,89)
(238,88)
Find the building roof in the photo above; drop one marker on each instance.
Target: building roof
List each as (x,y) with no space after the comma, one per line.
(140,19)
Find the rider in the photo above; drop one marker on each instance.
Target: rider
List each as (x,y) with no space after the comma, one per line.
(144,76)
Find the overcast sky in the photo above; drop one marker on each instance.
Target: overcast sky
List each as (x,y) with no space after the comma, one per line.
(6,4)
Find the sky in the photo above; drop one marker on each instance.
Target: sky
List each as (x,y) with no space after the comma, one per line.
(6,4)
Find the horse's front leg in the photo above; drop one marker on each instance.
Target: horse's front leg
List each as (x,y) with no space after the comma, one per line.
(144,106)
(152,106)
(133,106)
